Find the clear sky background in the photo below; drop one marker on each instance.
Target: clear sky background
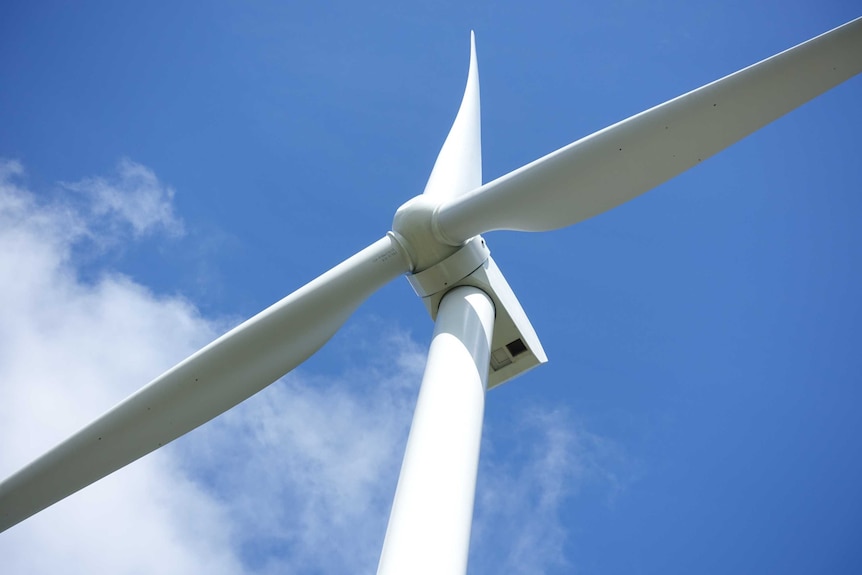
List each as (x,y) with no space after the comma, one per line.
(172,168)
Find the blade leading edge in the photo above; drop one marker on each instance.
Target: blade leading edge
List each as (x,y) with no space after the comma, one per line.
(226,372)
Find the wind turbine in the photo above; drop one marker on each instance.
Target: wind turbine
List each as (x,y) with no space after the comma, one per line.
(482,337)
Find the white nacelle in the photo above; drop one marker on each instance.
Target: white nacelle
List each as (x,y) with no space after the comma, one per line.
(515,347)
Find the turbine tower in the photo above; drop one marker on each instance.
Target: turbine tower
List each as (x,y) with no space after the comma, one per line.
(482,336)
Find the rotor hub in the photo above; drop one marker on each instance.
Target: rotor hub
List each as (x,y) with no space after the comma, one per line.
(415,229)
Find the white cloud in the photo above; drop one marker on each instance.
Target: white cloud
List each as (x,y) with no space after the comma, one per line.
(297,479)
(68,350)
(134,196)
(519,528)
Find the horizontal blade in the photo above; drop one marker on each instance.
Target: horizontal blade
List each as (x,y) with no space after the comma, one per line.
(216,378)
(621,162)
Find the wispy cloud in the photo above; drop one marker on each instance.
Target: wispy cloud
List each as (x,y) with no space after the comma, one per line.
(308,468)
(133,196)
(519,528)
(297,479)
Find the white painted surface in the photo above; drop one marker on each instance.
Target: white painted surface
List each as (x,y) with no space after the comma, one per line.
(429,526)
(458,168)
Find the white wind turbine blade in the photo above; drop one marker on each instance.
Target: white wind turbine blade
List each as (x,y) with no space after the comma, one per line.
(621,162)
(458,168)
(216,378)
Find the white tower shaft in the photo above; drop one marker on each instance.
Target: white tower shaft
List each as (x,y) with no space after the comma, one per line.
(429,526)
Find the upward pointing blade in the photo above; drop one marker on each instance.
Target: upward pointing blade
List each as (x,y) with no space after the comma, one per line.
(458,168)
(621,162)
(221,375)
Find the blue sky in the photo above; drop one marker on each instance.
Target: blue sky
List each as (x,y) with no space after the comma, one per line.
(171,169)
